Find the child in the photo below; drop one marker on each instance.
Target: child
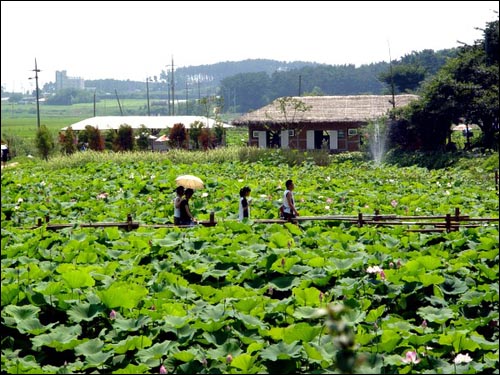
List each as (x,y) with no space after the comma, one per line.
(290,211)
(177,204)
(244,209)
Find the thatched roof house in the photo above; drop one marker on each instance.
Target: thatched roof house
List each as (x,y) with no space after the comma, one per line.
(313,122)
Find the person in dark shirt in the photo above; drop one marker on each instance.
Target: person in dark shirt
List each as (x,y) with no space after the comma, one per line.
(187,217)
(244,208)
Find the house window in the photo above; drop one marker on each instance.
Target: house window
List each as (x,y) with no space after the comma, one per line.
(291,133)
(352,132)
(341,134)
(255,134)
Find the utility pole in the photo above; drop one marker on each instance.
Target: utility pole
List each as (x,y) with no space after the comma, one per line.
(300,83)
(392,77)
(36,70)
(147,94)
(119,105)
(172,87)
(94,103)
(186,97)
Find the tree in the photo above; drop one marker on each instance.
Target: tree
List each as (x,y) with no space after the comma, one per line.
(44,142)
(194,133)
(143,140)
(125,140)
(178,136)
(207,138)
(466,87)
(67,140)
(94,138)
(406,78)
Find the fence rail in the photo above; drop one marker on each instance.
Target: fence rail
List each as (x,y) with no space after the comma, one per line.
(439,223)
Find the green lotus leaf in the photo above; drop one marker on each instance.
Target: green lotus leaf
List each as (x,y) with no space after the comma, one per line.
(85,311)
(125,295)
(434,314)
(184,355)
(285,282)
(89,347)
(157,351)
(20,313)
(281,350)
(59,337)
(130,343)
(244,362)
(133,369)
(9,293)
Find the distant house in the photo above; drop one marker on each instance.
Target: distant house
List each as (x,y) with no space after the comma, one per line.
(331,122)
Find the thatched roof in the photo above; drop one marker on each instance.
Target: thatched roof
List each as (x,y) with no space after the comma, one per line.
(352,108)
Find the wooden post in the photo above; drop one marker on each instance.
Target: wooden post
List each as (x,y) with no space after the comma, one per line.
(376,217)
(129,222)
(457,214)
(212,218)
(39,222)
(496,180)
(448,222)
(47,218)
(360,219)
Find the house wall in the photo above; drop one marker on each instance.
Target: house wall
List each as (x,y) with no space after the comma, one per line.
(298,139)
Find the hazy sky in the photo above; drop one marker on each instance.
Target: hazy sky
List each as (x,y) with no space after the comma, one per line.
(133,40)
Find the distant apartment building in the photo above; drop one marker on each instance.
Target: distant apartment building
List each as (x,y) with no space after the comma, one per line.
(65,82)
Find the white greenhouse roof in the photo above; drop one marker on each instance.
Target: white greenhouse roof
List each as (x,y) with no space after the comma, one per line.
(135,122)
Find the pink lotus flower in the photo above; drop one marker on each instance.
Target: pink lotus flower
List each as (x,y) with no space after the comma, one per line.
(112,314)
(163,370)
(229,358)
(394,203)
(329,200)
(411,357)
(424,323)
(270,290)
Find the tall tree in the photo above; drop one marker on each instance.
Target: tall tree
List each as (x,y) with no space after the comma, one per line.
(44,142)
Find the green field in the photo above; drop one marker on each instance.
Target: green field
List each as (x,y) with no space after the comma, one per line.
(316,297)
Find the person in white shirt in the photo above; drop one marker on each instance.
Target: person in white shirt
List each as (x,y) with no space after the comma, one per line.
(289,211)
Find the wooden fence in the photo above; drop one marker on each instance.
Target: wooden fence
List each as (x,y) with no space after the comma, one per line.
(439,223)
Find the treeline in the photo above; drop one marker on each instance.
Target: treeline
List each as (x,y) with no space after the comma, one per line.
(251,84)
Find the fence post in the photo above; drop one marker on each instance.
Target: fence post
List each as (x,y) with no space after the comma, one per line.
(496,180)
(47,218)
(376,217)
(212,218)
(360,219)
(448,222)
(39,222)
(129,222)
(457,214)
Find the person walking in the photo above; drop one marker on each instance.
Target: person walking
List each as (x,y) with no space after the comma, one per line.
(244,206)
(289,210)
(187,217)
(177,204)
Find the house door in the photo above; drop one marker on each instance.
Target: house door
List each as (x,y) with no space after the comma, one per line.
(310,139)
(334,139)
(285,139)
(262,139)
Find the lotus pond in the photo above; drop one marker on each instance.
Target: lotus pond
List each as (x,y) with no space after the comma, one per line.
(246,297)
